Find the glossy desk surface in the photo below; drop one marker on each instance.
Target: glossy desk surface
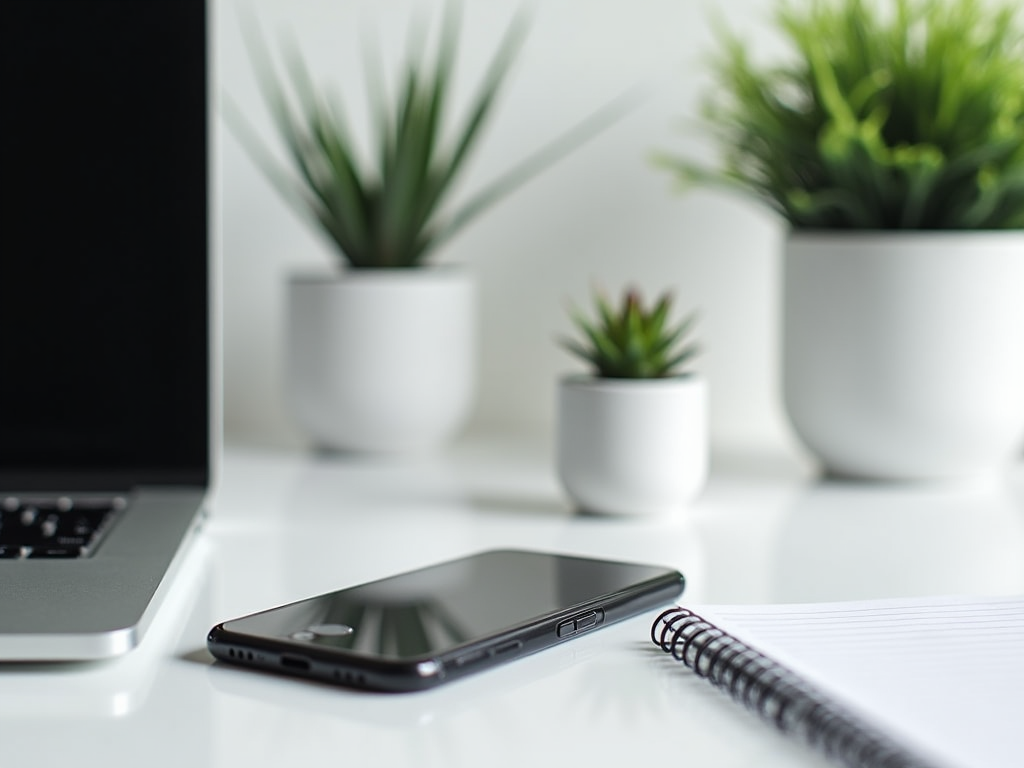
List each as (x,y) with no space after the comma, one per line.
(286,526)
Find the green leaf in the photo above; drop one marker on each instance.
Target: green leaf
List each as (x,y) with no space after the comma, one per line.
(388,212)
(536,163)
(877,117)
(632,340)
(495,77)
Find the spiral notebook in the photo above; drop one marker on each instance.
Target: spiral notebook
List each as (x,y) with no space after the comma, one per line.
(929,683)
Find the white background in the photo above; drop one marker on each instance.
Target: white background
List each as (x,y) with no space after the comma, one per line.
(605,216)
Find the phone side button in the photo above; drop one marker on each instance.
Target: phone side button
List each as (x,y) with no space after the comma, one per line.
(567,628)
(509,647)
(588,620)
(469,658)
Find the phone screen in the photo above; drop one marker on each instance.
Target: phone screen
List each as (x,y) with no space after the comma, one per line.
(523,597)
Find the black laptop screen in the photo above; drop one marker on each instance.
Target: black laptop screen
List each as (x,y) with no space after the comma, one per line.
(103,243)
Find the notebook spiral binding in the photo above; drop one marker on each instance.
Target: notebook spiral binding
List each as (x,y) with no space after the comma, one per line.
(775,693)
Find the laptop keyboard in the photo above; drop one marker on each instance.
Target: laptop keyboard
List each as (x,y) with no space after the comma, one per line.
(54,528)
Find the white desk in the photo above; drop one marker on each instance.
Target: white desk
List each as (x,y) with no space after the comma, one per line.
(290,526)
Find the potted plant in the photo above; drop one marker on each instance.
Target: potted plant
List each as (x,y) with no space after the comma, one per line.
(892,142)
(632,434)
(381,352)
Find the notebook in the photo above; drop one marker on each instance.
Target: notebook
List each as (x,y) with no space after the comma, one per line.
(105,317)
(931,682)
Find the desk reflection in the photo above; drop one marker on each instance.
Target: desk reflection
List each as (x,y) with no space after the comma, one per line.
(112,713)
(865,541)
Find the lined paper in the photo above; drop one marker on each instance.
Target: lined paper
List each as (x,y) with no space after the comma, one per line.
(942,676)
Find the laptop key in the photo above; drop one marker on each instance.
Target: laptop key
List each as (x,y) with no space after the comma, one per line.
(53,529)
(55,552)
(48,528)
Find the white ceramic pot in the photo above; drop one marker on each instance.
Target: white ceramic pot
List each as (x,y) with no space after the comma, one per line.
(903,353)
(632,446)
(381,360)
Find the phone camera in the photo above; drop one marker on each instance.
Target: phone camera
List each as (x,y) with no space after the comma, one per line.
(322,630)
(331,630)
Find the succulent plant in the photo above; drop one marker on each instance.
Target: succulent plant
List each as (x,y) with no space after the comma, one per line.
(902,115)
(389,211)
(634,341)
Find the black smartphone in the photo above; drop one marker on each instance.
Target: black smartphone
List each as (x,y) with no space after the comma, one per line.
(425,627)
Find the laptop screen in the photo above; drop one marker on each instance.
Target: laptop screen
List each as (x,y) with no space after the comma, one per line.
(104,314)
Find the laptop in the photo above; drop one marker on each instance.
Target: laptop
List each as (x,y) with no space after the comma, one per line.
(105,317)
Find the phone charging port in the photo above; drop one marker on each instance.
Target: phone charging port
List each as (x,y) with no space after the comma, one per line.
(295,662)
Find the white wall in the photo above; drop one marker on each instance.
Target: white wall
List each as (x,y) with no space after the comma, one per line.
(604,216)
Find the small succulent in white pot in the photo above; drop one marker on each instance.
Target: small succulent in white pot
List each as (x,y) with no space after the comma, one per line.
(632,434)
(355,334)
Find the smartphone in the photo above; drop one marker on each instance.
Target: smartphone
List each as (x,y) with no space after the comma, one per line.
(437,624)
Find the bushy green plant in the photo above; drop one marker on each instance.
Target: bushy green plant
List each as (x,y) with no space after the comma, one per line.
(904,114)
(388,211)
(633,341)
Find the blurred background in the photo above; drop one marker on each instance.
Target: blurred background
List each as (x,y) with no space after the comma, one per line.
(605,217)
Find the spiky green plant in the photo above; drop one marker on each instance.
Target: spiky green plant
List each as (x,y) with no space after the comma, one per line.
(906,114)
(633,341)
(389,211)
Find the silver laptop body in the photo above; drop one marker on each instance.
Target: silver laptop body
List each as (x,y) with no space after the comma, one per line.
(105,313)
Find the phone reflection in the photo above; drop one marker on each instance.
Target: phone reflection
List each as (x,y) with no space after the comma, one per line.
(396,630)
(564,695)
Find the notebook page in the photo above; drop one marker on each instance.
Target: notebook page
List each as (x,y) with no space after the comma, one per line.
(942,676)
